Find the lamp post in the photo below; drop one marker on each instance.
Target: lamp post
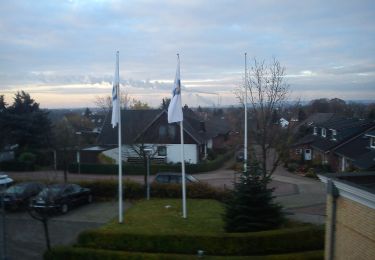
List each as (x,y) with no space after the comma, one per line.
(148,152)
(4,181)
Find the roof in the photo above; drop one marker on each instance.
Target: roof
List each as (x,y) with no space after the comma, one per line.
(317,118)
(217,125)
(346,129)
(136,122)
(360,180)
(358,187)
(358,150)
(371,133)
(133,123)
(308,139)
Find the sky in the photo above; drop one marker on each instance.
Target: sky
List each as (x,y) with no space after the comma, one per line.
(63,52)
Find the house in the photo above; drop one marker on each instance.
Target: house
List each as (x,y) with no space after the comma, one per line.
(358,153)
(301,149)
(350,225)
(333,134)
(327,136)
(150,129)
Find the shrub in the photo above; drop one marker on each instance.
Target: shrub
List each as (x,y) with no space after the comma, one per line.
(292,167)
(16,166)
(267,242)
(136,169)
(103,159)
(311,173)
(106,189)
(79,253)
(27,157)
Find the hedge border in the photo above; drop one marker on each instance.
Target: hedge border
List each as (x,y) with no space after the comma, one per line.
(79,253)
(256,243)
(136,169)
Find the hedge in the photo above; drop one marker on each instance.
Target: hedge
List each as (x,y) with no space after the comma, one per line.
(16,166)
(137,169)
(79,253)
(106,189)
(257,243)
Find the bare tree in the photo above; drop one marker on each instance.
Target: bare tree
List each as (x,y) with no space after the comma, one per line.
(267,93)
(105,102)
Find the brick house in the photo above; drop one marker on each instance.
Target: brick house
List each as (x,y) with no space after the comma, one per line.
(301,149)
(324,138)
(350,225)
(334,134)
(358,153)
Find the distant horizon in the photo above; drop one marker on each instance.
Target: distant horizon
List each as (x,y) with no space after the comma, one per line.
(364,101)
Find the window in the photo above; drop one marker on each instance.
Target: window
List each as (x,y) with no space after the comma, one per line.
(334,133)
(162,131)
(298,151)
(315,130)
(372,142)
(324,132)
(162,151)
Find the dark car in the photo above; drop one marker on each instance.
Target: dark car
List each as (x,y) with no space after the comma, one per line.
(19,195)
(173,177)
(61,198)
(239,156)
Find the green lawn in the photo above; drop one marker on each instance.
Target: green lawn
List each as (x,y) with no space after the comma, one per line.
(164,216)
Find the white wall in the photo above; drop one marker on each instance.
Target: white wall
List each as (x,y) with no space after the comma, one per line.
(173,152)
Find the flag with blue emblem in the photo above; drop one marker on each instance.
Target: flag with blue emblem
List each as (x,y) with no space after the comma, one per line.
(175,107)
(115,97)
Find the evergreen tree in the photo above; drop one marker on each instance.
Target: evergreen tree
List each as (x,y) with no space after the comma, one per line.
(251,207)
(24,123)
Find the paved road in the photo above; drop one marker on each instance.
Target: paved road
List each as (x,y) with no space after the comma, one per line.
(25,236)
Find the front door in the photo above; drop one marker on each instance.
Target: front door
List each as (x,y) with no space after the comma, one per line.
(307,154)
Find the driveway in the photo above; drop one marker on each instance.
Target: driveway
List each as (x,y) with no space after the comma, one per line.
(25,237)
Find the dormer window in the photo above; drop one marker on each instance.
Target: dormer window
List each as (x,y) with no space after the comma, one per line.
(315,130)
(372,142)
(372,139)
(324,132)
(334,133)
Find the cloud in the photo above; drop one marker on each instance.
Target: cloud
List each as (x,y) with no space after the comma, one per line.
(322,44)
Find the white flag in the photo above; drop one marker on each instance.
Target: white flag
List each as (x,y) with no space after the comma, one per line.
(115,96)
(175,107)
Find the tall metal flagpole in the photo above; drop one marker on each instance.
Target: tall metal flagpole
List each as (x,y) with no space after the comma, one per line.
(120,216)
(245,134)
(184,211)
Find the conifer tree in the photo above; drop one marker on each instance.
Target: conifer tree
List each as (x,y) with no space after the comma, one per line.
(251,206)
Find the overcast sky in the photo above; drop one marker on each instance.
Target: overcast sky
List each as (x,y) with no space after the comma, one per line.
(63,52)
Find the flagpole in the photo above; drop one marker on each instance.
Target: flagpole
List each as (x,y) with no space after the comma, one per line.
(120,216)
(245,134)
(184,211)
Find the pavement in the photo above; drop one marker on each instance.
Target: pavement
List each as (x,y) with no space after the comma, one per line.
(25,237)
(302,198)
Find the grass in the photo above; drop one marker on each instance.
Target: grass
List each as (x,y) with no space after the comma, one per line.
(164,216)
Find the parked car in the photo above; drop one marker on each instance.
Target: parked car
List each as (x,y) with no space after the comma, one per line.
(173,177)
(19,195)
(61,198)
(5,181)
(239,156)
